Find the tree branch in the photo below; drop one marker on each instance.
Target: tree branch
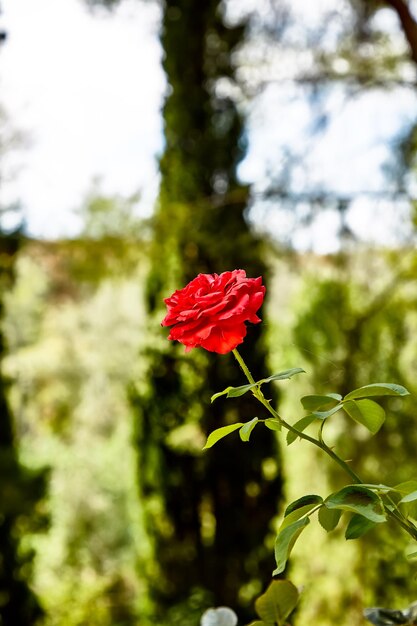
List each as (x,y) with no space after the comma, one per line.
(408,24)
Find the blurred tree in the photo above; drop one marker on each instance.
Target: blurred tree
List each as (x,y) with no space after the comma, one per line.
(109,216)
(71,353)
(208,513)
(112,242)
(356,326)
(405,16)
(21,489)
(317,68)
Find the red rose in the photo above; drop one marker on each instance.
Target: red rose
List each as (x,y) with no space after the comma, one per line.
(211,311)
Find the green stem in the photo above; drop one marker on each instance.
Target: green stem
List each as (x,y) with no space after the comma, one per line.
(405,523)
(395,514)
(319,444)
(244,367)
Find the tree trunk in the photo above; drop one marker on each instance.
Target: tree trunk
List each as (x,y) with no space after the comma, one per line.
(208,514)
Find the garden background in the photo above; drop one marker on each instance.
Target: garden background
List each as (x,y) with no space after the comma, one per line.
(289,150)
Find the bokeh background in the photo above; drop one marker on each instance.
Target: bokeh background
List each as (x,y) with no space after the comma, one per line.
(141,143)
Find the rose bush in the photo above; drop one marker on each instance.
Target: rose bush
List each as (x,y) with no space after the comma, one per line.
(211,311)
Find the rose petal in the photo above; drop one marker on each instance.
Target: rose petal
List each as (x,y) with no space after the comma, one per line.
(224,341)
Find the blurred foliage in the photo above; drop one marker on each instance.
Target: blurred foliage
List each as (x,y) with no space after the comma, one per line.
(73,349)
(21,489)
(104,216)
(351,323)
(112,241)
(72,358)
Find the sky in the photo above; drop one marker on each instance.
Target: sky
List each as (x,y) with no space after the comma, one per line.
(86,92)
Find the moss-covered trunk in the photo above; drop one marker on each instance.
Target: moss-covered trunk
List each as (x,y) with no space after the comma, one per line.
(208,513)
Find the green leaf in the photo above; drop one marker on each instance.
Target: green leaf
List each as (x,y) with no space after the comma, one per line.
(233,392)
(298,509)
(314,402)
(272,424)
(302,502)
(295,515)
(276,604)
(220,393)
(283,375)
(410,551)
(379,487)
(301,425)
(410,497)
(259,623)
(407,487)
(325,414)
(219,433)
(358,526)
(247,428)
(285,541)
(358,499)
(366,412)
(377,389)
(329,518)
